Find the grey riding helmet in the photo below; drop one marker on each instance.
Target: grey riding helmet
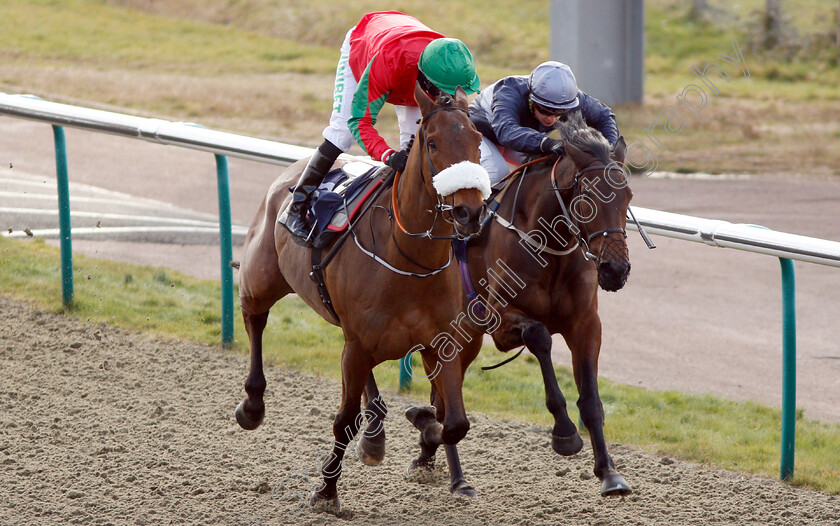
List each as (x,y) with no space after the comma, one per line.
(553,85)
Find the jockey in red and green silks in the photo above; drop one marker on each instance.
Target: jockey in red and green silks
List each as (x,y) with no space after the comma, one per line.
(385,52)
(382,58)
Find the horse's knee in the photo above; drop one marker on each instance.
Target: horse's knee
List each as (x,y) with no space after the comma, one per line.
(345,426)
(591,411)
(537,338)
(454,430)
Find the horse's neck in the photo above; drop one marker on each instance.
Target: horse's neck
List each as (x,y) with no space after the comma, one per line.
(417,212)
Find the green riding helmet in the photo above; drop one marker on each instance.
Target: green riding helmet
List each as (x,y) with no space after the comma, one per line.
(447,63)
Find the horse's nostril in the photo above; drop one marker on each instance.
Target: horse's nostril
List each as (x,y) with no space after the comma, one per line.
(462,214)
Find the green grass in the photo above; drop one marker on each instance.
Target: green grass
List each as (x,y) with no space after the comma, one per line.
(163,303)
(91,33)
(295,36)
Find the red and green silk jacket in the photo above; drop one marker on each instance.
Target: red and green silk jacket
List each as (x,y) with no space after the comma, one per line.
(385,48)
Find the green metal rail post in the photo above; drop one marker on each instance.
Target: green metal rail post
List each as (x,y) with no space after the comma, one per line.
(405,373)
(788,369)
(63,184)
(226,249)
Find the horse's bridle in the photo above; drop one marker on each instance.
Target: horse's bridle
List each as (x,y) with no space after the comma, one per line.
(583,237)
(442,206)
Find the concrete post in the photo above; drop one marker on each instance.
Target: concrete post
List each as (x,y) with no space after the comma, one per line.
(603,42)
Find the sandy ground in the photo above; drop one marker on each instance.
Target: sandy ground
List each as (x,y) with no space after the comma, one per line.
(104,426)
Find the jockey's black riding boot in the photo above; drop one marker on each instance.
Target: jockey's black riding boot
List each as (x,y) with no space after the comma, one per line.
(294,218)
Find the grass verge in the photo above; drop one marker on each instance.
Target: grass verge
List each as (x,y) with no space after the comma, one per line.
(732,435)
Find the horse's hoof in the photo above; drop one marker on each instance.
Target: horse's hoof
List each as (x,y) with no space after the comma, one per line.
(420,416)
(614,485)
(321,503)
(567,446)
(369,452)
(416,465)
(462,487)
(244,421)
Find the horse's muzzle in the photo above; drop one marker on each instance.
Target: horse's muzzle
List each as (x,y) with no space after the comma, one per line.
(613,265)
(468,220)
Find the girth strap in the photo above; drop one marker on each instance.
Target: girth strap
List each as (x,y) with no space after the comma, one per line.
(317,275)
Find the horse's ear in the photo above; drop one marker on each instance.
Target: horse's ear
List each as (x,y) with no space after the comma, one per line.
(461,98)
(424,101)
(619,150)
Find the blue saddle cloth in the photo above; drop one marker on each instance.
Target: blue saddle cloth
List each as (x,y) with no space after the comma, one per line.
(340,196)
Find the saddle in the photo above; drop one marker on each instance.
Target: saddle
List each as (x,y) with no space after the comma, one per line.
(341,196)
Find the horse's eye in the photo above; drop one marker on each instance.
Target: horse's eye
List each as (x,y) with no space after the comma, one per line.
(432,145)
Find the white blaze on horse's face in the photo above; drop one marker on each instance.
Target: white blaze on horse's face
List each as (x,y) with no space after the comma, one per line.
(461,176)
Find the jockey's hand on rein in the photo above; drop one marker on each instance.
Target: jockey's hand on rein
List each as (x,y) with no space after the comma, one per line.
(397,160)
(552,146)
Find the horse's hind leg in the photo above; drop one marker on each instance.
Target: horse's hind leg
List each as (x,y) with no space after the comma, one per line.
(371,446)
(261,284)
(584,340)
(250,412)
(422,418)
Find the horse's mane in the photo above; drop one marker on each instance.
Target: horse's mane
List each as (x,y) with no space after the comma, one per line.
(577,133)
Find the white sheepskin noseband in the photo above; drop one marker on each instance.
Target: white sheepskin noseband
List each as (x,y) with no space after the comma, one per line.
(461,176)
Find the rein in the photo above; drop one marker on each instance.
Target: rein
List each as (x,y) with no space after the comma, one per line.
(509,224)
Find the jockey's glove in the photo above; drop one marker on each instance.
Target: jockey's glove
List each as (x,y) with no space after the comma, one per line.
(397,160)
(552,146)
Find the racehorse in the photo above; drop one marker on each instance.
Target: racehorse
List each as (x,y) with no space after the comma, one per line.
(377,298)
(560,233)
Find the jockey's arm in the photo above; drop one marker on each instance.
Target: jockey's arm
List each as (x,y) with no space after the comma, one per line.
(367,103)
(599,116)
(508,105)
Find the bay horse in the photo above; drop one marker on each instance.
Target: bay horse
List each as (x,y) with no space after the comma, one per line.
(560,231)
(382,306)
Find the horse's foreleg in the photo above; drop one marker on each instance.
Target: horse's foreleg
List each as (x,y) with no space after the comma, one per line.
(371,446)
(565,439)
(517,329)
(585,344)
(424,418)
(433,425)
(355,371)
(250,412)
(452,426)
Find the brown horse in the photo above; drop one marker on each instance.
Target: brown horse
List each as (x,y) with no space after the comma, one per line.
(560,233)
(384,308)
